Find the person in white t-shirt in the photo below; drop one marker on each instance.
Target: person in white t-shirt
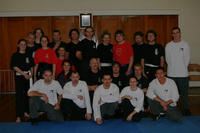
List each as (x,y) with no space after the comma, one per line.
(76,100)
(105,101)
(163,97)
(45,95)
(132,98)
(178,57)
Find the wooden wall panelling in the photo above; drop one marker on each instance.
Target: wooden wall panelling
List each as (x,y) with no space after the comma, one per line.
(131,25)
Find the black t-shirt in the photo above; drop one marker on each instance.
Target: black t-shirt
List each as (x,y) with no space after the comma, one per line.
(37,46)
(93,78)
(142,82)
(153,53)
(72,49)
(121,81)
(138,51)
(22,61)
(105,53)
(88,49)
(31,50)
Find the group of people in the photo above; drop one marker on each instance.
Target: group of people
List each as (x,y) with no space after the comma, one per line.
(88,81)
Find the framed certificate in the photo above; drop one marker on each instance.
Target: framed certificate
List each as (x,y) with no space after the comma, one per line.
(85,20)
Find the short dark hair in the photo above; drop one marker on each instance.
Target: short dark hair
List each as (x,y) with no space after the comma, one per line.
(106,74)
(36,29)
(48,70)
(44,37)
(67,61)
(138,33)
(30,33)
(138,65)
(89,27)
(105,32)
(56,31)
(21,40)
(130,77)
(74,29)
(119,32)
(151,31)
(116,63)
(160,68)
(74,72)
(176,28)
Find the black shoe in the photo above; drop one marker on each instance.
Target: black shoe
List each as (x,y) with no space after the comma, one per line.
(187,112)
(34,121)
(156,117)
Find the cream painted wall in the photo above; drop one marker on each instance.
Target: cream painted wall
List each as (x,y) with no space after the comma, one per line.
(189,16)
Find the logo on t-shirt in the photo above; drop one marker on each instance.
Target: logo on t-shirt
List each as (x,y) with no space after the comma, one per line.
(27,60)
(47,55)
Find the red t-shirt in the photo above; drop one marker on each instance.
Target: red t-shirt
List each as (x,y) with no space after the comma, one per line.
(59,67)
(45,56)
(122,53)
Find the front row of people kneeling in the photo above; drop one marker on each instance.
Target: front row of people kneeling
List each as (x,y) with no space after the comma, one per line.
(46,95)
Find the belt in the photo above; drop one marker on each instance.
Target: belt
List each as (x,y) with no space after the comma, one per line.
(19,74)
(151,65)
(106,64)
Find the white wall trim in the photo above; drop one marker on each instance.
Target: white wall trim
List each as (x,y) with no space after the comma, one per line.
(95,13)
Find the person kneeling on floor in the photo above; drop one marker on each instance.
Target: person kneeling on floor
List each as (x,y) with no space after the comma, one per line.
(132,98)
(163,96)
(76,100)
(43,97)
(105,101)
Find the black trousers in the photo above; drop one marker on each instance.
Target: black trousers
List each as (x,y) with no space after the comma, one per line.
(36,105)
(70,109)
(128,108)
(22,86)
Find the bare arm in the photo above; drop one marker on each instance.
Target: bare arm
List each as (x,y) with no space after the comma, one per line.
(130,65)
(162,60)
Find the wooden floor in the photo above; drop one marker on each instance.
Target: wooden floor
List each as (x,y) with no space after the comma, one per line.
(7,106)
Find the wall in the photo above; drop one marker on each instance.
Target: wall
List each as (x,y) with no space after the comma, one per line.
(189,18)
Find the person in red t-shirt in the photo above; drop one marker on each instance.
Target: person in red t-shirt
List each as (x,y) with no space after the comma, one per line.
(123,53)
(61,57)
(45,58)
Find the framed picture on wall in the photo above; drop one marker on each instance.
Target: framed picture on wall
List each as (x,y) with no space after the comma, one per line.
(85,20)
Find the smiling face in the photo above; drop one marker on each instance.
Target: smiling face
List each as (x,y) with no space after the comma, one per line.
(89,33)
(151,37)
(94,64)
(22,46)
(138,39)
(66,66)
(48,77)
(44,42)
(61,51)
(74,35)
(116,68)
(133,82)
(38,33)
(75,78)
(106,39)
(107,80)
(176,34)
(56,36)
(119,38)
(160,74)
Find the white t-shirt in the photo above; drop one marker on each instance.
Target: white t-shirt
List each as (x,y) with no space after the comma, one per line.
(106,95)
(71,92)
(137,97)
(177,57)
(51,90)
(165,91)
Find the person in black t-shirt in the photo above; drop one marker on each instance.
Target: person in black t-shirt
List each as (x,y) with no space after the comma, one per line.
(93,77)
(142,82)
(64,76)
(138,47)
(153,56)
(73,48)
(105,53)
(88,51)
(22,63)
(30,49)
(117,77)
(38,32)
(57,42)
